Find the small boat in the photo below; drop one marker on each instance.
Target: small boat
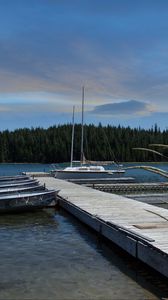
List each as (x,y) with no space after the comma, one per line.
(21,184)
(17,190)
(27,201)
(14,178)
(17,182)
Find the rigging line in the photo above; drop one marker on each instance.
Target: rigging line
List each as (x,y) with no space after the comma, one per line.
(111,152)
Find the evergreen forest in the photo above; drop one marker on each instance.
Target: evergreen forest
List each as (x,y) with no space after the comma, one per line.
(53,145)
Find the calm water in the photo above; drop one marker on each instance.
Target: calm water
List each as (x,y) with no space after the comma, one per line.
(50,255)
(139,175)
(15,169)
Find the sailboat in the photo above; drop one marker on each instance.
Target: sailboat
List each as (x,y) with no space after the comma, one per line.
(87,169)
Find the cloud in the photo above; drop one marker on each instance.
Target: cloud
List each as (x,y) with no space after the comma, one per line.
(4,108)
(57,46)
(117,49)
(131,107)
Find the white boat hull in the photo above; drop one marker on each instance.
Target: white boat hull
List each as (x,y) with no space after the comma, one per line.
(67,174)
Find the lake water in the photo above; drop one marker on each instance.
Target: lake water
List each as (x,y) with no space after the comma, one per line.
(50,255)
(140,175)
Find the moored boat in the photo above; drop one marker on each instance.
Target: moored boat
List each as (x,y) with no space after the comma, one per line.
(13,178)
(27,201)
(86,172)
(30,180)
(87,168)
(17,190)
(19,184)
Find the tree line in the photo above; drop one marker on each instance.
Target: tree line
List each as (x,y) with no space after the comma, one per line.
(53,145)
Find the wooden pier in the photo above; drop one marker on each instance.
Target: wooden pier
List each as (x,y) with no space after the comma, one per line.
(102,181)
(138,228)
(131,187)
(160,199)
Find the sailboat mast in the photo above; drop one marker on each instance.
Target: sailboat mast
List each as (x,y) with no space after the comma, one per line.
(82,133)
(72,138)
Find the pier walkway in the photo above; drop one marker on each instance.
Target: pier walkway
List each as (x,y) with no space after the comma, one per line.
(138,228)
(131,187)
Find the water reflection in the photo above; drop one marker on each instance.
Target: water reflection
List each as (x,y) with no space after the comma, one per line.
(50,255)
(137,271)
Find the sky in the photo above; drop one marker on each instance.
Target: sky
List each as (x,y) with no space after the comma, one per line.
(116,49)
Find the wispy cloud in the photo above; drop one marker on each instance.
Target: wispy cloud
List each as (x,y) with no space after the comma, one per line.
(56,46)
(131,108)
(117,49)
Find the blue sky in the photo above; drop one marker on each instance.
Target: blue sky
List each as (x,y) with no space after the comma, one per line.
(117,49)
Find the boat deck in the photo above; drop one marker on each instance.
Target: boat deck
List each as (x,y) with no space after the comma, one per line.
(138,228)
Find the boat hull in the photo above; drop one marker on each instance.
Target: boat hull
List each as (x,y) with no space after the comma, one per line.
(13,178)
(19,184)
(26,202)
(62,174)
(17,190)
